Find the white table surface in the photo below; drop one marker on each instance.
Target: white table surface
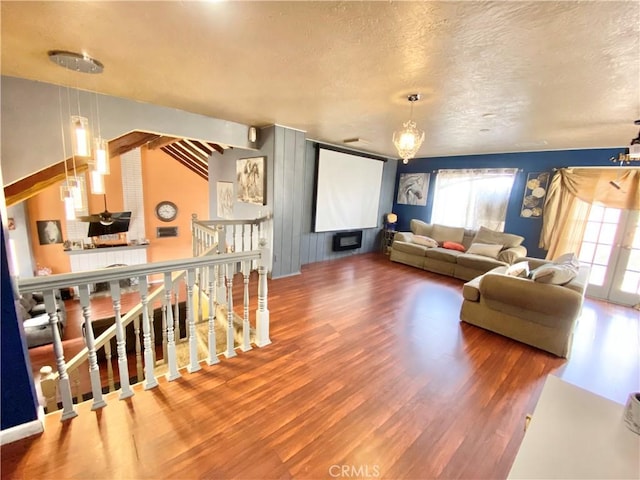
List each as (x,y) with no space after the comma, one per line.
(576,434)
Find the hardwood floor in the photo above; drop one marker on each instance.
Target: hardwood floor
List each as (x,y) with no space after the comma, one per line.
(370,373)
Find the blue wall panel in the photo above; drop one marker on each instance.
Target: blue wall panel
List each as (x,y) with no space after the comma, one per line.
(527,162)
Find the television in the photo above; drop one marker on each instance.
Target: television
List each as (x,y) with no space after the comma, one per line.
(120,225)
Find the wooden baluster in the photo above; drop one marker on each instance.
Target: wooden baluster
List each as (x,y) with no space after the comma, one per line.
(51,305)
(262,315)
(136,332)
(230,352)
(194,366)
(213,349)
(221,293)
(246,328)
(147,335)
(198,291)
(176,312)
(194,230)
(74,377)
(89,338)
(171,359)
(243,234)
(165,341)
(48,388)
(152,332)
(107,353)
(123,364)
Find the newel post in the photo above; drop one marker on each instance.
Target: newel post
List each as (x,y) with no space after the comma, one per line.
(262,314)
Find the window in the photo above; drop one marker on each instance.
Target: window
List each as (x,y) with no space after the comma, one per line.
(473,198)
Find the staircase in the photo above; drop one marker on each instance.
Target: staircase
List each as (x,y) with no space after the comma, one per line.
(223,250)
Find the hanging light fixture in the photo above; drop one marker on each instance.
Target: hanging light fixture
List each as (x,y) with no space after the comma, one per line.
(409,138)
(632,153)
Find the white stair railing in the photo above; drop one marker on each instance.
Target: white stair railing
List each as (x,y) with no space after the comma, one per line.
(58,385)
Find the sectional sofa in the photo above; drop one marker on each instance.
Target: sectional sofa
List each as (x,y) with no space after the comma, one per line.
(409,248)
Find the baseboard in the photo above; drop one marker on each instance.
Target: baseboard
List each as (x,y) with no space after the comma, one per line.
(28,429)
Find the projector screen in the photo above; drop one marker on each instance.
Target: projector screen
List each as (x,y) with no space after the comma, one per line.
(347,191)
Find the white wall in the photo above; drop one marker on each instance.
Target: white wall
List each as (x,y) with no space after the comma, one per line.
(21,239)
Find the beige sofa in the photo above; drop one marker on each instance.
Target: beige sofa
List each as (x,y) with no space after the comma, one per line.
(538,314)
(454,263)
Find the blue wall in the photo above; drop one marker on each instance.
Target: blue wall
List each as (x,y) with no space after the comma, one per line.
(18,402)
(528,162)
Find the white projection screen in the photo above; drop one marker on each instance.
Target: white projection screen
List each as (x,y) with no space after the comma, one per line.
(348,191)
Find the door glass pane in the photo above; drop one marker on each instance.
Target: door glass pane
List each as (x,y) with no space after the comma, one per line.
(595,215)
(608,234)
(634,261)
(611,215)
(602,254)
(591,232)
(636,239)
(631,282)
(587,251)
(597,275)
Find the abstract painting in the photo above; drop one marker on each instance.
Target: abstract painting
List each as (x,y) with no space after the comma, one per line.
(412,188)
(534,192)
(225,199)
(251,180)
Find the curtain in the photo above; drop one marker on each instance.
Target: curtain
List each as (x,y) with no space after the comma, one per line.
(471,198)
(569,199)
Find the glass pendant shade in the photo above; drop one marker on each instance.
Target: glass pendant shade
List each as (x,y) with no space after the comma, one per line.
(634,151)
(102,156)
(408,140)
(97,182)
(80,135)
(69,206)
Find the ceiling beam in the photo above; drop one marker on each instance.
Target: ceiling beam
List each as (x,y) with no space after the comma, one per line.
(216,147)
(205,154)
(188,149)
(178,157)
(33,184)
(161,142)
(125,143)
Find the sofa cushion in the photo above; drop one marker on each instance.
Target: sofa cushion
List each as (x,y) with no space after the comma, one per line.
(442,233)
(419,227)
(443,254)
(479,262)
(520,269)
(507,240)
(425,241)
(555,274)
(453,246)
(485,249)
(410,248)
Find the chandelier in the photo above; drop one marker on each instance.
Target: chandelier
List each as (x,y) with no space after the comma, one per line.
(632,153)
(72,190)
(409,138)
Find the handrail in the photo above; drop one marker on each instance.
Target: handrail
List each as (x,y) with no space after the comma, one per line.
(247,221)
(63,280)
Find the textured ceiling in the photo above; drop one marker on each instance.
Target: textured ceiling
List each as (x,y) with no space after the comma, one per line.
(495,76)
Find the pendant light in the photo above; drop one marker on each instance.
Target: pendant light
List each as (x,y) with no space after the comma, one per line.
(409,138)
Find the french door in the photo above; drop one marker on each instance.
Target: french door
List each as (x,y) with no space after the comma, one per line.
(611,245)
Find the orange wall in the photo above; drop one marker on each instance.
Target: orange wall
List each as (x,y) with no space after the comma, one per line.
(163,178)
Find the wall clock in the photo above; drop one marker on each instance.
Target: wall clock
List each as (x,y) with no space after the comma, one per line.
(166,211)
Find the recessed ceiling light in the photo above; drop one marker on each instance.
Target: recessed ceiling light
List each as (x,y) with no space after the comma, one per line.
(485,129)
(489,115)
(355,140)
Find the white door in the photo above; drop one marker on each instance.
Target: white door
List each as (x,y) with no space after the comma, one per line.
(611,245)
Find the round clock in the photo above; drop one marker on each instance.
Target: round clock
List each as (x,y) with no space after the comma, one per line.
(166,211)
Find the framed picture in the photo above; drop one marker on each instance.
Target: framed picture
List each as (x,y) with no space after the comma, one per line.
(251,180)
(413,188)
(535,191)
(49,232)
(224,192)
(11,223)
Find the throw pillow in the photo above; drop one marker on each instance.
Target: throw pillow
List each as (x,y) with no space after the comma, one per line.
(554,274)
(453,246)
(567,258)
(520,269)
(426,241)
(484,249)
(508,240)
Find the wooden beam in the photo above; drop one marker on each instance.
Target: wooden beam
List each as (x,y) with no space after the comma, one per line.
(128,142)
(160,142)
(216,147)
(205,154)
(178,156)
(189,150)
(33,184)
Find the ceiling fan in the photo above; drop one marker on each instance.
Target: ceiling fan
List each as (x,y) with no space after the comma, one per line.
(105,218)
